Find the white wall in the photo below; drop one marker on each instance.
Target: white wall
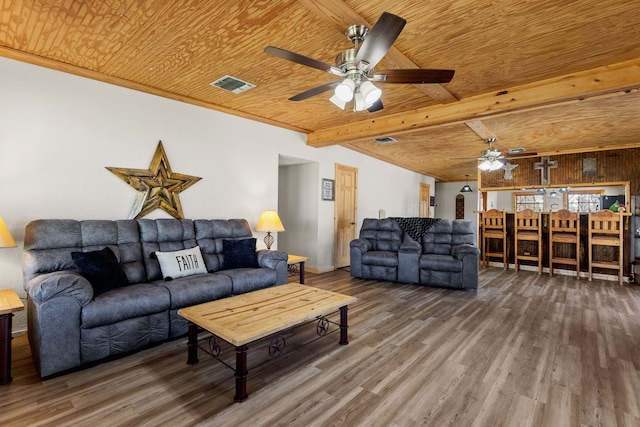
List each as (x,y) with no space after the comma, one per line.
(298,209)
(58,132)
(446,193)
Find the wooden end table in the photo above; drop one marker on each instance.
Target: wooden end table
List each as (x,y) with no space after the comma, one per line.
(9,302)
(243,319)
(300,260)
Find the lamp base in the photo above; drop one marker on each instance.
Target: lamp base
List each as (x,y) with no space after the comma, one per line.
(268,240)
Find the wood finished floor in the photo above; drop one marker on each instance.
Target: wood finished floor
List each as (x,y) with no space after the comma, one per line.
(524,350)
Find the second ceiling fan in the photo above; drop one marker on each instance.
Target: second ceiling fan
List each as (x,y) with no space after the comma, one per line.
(356,66)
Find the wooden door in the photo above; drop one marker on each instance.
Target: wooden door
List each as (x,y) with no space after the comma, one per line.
(345,214)
(425,200)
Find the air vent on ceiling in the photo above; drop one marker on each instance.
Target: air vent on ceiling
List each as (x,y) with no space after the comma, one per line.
(232,84)
(385,140)
(516,150)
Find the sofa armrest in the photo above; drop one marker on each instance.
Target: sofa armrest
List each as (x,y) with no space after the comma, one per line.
(276,260)
(55,311)
(460,251)
(410,245)
(363,244)
(66,283)
(357,248)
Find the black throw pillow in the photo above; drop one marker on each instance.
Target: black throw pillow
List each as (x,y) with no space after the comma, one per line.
(239,253)
(101,268)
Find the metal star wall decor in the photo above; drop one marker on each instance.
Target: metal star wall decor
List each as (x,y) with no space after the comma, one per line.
(158,187)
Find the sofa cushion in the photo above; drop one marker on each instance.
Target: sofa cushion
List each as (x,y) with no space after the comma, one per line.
(197,289)
(438,262)
(250,279)
(239,253)
(127,302)
(386,258)
(176,264)
(101,268)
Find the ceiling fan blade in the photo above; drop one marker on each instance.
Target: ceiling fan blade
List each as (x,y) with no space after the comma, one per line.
(413,76)
(299,59)
(314,91)
(380,39)
(376,106)
(522,154)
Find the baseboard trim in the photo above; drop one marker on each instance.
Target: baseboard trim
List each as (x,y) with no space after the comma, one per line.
(316,270)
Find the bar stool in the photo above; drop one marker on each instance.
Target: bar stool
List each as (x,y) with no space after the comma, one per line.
(494,228)
(564,230)
(528,234)
(606,230)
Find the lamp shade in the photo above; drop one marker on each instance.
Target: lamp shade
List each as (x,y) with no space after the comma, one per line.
(6,239)
(466,188)
(269,221)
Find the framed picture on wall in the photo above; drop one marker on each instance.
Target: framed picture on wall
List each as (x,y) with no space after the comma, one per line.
(589,166)
(328,191)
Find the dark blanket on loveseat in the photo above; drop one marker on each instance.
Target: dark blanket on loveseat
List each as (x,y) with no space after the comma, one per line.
(72,322)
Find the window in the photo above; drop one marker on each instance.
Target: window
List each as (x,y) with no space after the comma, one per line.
(584,201)
(533,201)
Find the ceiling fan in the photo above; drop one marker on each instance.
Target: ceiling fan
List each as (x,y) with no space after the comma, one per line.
(492,159)
(356,66)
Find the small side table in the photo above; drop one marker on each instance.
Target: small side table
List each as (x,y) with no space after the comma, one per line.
(297,260)
(9,302)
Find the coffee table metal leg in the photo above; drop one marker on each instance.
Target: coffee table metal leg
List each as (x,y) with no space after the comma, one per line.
(241,374)
(302,273)
(192,344)
(344,340)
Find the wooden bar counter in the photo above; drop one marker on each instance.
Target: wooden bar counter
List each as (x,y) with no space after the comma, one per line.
(601,253)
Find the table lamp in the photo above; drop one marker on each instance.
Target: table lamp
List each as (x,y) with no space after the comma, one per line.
(269,221)
(6,239)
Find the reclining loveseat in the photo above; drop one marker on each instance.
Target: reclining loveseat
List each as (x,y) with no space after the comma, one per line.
(431,252)
(98,288)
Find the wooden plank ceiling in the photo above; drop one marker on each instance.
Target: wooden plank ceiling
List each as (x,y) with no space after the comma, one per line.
(550,76)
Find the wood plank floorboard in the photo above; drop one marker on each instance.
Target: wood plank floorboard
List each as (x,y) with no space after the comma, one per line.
(523,350)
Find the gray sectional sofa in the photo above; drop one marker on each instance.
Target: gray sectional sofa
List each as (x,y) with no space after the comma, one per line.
(443,253)
(73,322)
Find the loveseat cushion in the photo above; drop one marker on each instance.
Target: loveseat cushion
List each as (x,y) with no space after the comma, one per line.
(439,262)
(385,258)
(383,234)
(127,302)
(198,289)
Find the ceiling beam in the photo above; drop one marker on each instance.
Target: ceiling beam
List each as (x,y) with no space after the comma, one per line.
(342,16)
(614,79)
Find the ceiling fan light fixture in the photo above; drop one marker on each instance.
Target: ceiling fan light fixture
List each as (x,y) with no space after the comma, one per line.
(490,165)
(370,92)
(358,102)
(344,91)
(336,101)
(484,165)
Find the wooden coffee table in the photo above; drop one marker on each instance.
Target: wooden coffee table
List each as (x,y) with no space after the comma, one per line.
(243,319)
